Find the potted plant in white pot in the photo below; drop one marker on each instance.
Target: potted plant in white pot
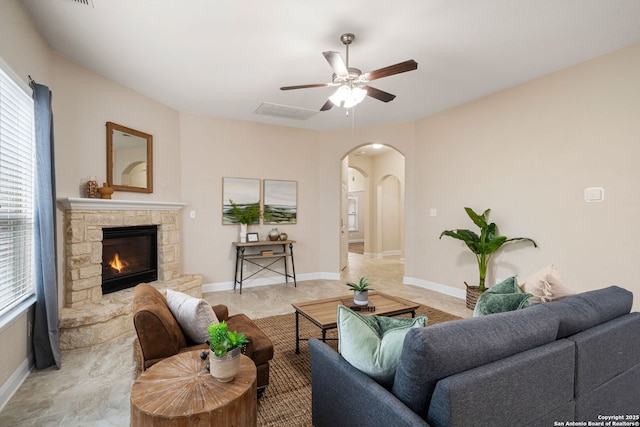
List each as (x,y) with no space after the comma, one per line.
(483,246)
(224,353)
(361,291)
(245,215)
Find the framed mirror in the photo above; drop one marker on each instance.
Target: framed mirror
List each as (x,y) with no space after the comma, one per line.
(129,159)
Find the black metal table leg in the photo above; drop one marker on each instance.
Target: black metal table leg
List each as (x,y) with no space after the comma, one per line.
(293,266)
(235,272)
(241,268)
(297,332)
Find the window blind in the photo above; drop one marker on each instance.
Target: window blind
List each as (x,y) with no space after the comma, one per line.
(17,164)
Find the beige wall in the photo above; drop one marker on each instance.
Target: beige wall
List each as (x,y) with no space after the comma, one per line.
(528,153)
(214,148)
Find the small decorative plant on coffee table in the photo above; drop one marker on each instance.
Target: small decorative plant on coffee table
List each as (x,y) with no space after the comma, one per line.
(361,291)
(224,356)
(483,246)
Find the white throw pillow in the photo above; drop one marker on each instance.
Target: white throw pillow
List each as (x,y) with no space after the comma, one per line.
(194,315)
(546,285)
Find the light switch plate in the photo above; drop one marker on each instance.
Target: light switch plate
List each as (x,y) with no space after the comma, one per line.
(593,194)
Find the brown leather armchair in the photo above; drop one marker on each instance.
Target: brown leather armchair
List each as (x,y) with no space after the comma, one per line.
(160,336)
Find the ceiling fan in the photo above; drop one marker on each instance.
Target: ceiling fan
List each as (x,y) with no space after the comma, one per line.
(351,82)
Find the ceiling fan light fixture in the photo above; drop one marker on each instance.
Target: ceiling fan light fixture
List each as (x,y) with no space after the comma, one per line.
(348,97)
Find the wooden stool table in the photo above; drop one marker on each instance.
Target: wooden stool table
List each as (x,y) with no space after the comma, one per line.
(179,391)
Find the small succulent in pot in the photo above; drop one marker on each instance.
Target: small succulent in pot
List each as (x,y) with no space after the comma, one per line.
(221,340)
(361,291)
(362,285)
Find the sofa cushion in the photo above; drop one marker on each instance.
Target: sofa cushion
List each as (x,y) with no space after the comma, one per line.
(372,344)
(505,296)
(435,352)
(583,311)
(605,352)
(546,285)
(194,315)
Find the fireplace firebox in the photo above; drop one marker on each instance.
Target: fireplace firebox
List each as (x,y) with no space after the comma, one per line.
(129,257)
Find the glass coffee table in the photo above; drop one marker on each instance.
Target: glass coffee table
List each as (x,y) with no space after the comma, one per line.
(322,313)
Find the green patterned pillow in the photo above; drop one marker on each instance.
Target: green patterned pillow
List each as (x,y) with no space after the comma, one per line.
(505,296)
(372,343)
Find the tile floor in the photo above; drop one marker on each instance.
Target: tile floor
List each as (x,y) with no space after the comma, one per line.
(92,387)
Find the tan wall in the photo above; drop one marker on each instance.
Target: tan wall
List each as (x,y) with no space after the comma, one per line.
(528,153)
(214,148)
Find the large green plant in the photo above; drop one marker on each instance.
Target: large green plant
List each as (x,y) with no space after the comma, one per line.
(484,245)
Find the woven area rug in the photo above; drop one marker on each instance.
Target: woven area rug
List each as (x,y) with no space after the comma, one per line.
(287,400)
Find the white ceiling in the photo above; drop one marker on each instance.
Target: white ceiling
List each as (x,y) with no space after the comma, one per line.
(225,58)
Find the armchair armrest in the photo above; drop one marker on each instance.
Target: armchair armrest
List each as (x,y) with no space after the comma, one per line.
(221,311)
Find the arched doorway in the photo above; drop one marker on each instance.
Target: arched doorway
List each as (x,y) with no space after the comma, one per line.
(380,201)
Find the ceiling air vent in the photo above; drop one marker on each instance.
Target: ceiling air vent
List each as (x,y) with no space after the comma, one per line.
(269,109)
(84,2)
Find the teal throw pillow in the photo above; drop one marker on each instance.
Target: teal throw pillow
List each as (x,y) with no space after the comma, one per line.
(372,344)
(505,296)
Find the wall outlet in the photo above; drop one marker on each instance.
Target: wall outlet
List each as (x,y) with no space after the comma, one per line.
(192,214)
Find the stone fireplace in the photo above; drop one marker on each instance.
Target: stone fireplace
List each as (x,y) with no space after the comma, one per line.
(90,316)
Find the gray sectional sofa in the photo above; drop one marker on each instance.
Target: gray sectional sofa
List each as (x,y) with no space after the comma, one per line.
(577,359)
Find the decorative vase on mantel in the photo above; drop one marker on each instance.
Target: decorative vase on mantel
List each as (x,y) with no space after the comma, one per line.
(243,233)
(274,234)
(105,191)
(226,367)
(91,188)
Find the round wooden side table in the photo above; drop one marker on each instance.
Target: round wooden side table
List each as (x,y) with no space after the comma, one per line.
(179,391)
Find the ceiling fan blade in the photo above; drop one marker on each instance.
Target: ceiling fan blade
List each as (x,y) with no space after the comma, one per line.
(379,94)
(305,86)
(401,67)
(335,60)
(327,105)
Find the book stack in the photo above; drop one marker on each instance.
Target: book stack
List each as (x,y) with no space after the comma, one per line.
(266,252)
(355,307)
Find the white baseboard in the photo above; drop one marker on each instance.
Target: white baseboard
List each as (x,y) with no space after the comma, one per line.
(437,287)
(265,281)
(14,382)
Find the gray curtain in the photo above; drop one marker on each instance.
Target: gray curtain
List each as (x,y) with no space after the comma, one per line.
(46,333)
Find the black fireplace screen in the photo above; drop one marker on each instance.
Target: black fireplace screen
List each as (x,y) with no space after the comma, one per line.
(129,257)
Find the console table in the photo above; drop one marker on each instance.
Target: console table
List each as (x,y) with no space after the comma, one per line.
(254,257)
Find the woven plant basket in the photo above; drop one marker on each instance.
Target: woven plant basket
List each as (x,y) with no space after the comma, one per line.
(472,296)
